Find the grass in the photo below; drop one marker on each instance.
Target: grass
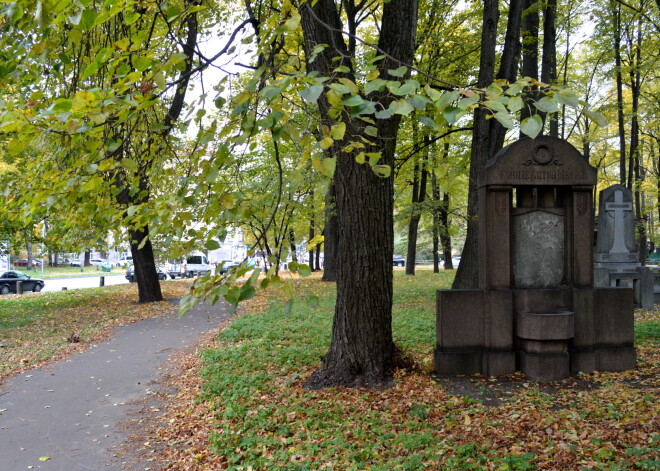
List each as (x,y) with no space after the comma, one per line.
(35,328)
(260,417)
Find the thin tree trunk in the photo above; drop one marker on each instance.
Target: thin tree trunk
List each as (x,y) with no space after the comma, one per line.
(312,234)
(467,276)
(616,10)
(549,58)
(292,244)
(445,238)
(418,196)
(635,86)
(530,51)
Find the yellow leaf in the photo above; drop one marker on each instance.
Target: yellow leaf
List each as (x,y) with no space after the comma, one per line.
(337,131)
(326,142)
(467,420)
(44,458)
(373,75)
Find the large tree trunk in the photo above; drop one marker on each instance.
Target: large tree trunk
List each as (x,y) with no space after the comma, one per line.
(508,70)
(330,247)
(362,348)
(144,266)
(467,275)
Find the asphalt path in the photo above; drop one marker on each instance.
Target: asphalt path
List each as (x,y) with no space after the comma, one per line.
(67,416)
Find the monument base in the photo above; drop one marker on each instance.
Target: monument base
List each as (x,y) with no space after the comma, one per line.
(482,331)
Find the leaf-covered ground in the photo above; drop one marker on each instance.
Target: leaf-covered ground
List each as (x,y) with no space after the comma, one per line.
(39,327)
(246,408)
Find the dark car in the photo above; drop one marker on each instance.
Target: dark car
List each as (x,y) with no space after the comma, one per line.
(9,278)
(130,274)
(22,262)
(399,261)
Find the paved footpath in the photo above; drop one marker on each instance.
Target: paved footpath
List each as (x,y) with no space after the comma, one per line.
(67,416)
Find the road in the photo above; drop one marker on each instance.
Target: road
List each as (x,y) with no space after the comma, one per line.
(56,284)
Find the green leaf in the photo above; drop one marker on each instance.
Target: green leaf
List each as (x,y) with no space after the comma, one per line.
(371,131)
(212,244)
(247,292)
(325,166)
(141,63)
(597,118)
(402,107)
(495,105)
(382,170)
(451,114)
(468,101)
(384,114)
(353,100)
(91,69)
(304,270)
(432,93)
(568,98)
(446,98)
(88,19)
(292,23)
(312,93)
(400,72)
(516,103)
(531,126)
(374,85)
(504,119)
(408,88)
(547,105)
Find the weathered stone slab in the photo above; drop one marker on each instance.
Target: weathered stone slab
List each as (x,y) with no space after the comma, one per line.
(538,250)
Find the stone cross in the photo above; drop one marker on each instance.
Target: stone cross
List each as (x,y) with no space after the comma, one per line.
(619,245)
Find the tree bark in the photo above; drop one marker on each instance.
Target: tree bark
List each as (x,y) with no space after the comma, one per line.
(144,265)
(330,237)
(508,70)
(467,275)
(362,349)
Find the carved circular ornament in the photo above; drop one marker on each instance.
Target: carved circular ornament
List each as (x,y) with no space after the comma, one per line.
(542,154)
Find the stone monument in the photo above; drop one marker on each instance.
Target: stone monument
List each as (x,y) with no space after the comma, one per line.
(535,309)
(616,260)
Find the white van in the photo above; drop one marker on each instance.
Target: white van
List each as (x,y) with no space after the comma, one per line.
(196,264)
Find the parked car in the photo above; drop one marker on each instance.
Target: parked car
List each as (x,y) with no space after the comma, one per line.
(399,261)
(227,265)
(75,263)
(125,261)
(130,274)
(9,278)
(97,262)
(22,262)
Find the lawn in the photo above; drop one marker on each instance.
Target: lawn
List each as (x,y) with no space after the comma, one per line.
(249,410)
(39,327)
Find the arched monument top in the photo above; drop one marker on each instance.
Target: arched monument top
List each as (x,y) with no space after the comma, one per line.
(538,162)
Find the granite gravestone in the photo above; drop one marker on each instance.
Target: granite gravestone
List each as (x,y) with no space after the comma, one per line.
(535,309)
(616,259)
